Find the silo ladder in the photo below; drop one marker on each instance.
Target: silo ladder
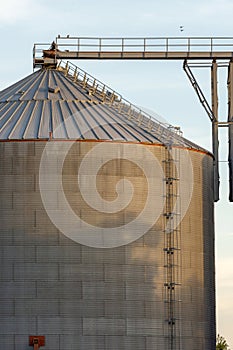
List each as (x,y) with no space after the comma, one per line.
(172,244)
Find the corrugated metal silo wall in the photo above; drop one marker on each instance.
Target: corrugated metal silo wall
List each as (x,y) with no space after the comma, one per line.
(90,298)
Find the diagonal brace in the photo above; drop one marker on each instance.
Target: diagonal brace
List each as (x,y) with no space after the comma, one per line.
(213,116)
(198,90)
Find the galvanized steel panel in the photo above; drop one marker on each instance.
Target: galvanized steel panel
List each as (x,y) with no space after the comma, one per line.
(17,325)
(54,325)
(104,326)
(92,308)
(70,290)
(72,342)
(103,291)
(124,309)
(81,272)
(22,289)
(125,342)
(145,326)
(39,307)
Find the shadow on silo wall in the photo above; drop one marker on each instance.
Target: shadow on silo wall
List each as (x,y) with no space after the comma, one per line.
(209,253)
(74,295)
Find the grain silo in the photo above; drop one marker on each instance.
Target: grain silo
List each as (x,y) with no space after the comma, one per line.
(107,233)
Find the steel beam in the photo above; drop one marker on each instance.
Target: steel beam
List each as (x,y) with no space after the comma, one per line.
(215,142)
(135,55)
(230,132)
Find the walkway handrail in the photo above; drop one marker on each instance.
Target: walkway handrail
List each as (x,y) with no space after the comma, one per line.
(132,48)
(165,44)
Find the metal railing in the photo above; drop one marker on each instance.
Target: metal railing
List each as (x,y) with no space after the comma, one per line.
(66,45)
(93,85)
(164,44)
(110,97)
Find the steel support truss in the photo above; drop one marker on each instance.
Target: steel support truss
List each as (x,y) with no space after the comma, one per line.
(212,112)
(158,48)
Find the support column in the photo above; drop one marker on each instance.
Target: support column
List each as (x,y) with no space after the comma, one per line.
(215,143)
(230,128)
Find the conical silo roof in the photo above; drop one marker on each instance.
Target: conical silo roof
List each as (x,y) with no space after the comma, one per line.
(53,103)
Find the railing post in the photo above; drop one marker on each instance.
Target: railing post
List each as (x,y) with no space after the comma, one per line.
(34,50)
(189,44)
(75,75)
(167,44)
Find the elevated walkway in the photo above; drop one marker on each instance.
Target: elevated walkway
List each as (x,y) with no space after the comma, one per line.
(151,48)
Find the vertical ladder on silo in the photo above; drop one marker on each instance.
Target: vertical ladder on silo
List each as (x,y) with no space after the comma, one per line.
(172,247)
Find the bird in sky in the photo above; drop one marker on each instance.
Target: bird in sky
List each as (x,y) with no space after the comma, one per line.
(181,28)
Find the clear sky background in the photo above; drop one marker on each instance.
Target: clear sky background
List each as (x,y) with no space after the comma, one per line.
(161,86)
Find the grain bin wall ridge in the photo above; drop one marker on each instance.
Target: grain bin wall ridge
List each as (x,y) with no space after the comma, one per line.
(77,295)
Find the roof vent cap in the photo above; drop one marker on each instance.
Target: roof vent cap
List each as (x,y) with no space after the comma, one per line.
(54,89)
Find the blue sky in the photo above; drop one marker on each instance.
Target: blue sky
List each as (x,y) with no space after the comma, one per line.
(161,86)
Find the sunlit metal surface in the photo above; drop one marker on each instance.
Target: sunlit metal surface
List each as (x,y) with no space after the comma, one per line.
(34,107)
